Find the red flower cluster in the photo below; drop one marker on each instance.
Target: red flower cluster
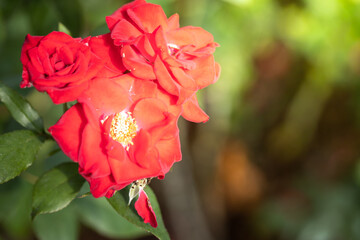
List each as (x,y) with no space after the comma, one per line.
(131,86)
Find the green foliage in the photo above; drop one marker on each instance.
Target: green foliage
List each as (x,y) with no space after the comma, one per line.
(120,203)
(18,151)
(62,225)
(69,12)
(56,189)
(97,214)
(20,109)
(15,202)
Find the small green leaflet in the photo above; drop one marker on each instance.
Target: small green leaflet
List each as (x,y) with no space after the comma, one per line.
(63,29)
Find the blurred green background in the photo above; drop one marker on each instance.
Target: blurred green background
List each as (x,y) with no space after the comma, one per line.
(279,158)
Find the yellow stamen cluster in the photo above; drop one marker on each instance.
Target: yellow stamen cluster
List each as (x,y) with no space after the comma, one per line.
(123,129)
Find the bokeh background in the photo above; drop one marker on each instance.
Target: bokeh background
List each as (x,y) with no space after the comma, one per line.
(279,158)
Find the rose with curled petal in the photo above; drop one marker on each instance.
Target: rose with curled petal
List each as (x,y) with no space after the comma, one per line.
(154,47)
(119,134)
(59,65)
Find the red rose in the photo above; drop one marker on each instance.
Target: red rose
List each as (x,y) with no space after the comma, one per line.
(180,60)
(120,134)
(58,64)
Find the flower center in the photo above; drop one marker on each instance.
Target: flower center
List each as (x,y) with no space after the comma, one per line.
(123,128)
(59,65)
(136,186)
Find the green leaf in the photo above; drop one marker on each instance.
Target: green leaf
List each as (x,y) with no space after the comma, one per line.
(20,109)
(56,189)
(120,203)
(61,225)
(18,151)
(97,214)
(64,29)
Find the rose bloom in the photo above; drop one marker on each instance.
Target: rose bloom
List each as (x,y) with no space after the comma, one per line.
(58,64)
(123,129)
(153,47)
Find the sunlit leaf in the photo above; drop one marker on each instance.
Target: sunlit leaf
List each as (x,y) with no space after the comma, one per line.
(56,189)
(120,203)
(18,150)
(20,109)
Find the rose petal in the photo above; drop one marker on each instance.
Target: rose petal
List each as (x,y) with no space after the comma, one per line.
(137,64)
(217,71)
(111,99)
(143,89)
(92,158)
(66,55)
(43,56)
(118,160)
(33,54)
(164,78)
(170,101)
(52,40)
(184,95)
(30,42)
(190,36)
(167,129)
(25,82)
(121,13)
(124,31)
(206,72)
(184,79)
(102,46)
(104,186)
(68,131)
(144,209)
(173,22)
(169,153)
(148,17)
(62,95)
(145,48)
(144,154)
(149,112)
(192,111)
(162,48)
(126,81)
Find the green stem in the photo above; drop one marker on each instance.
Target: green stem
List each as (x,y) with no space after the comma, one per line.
(84,195)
